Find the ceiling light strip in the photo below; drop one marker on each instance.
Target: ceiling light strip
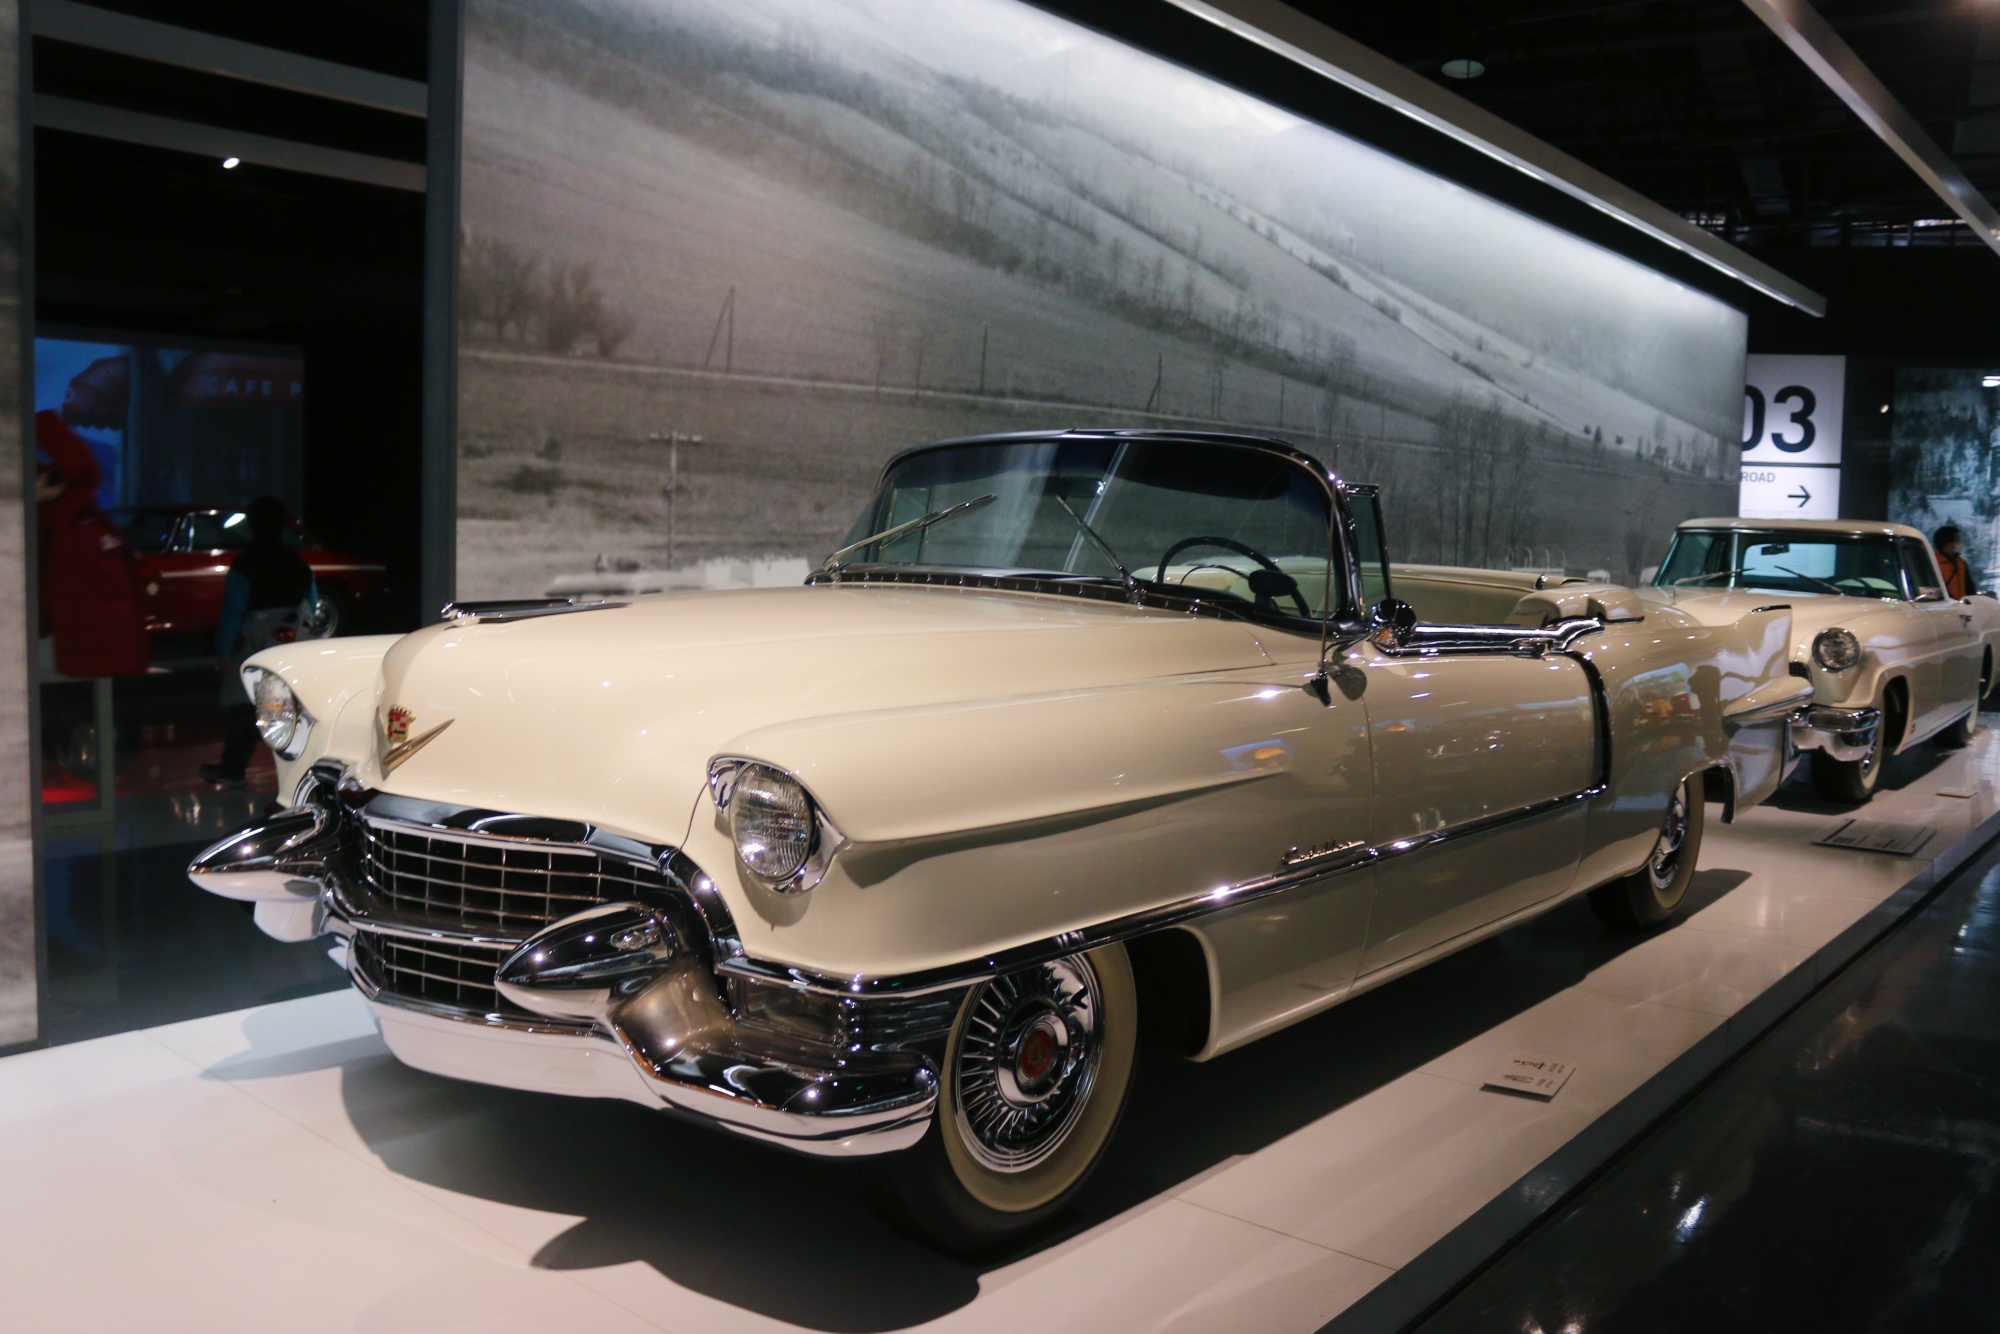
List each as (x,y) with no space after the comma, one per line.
(1284,31)
(1829,56)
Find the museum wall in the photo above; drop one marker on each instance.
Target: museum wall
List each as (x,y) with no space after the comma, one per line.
(718,261)
(19,1020)
(1944,460)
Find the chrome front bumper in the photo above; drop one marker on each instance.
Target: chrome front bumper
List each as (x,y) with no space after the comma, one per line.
(620,1000)
(1843,734)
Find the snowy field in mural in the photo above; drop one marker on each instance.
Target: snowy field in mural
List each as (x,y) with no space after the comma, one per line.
(810,232)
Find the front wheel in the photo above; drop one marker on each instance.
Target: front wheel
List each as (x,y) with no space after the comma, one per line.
(1035,1078)
(1852,782)
(1653,893)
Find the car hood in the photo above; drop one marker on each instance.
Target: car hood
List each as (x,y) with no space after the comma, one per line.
(1811,612)
(611,714)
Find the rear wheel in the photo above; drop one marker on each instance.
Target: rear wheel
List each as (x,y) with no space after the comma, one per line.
(1654,892)
(1959,735)
(1035,1078)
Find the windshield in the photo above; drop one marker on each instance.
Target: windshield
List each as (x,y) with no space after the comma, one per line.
(1786,562)
(1217,518)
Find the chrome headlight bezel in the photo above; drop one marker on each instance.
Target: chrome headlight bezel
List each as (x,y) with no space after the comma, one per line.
(282,718)
(1836,650)
(724,773)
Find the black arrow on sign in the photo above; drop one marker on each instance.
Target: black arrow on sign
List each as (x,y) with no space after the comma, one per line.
(1801,495)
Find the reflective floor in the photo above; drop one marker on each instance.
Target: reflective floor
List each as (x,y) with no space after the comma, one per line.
(133,944)
(1844,1174)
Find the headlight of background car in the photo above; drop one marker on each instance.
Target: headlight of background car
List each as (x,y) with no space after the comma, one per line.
(1836,649)
(281,720)
(773,822)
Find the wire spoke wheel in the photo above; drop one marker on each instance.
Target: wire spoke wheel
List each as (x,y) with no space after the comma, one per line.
(1027,1062)
(1033,1084)
(1655,892)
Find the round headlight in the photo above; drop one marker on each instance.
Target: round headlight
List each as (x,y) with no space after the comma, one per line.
(772,820)
(1836,649)
(281,720)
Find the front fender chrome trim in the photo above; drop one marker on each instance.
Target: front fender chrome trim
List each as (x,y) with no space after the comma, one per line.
(522,609)
(1338,861)
(1430,641)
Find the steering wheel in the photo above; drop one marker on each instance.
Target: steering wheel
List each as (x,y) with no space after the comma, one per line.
(1266,590)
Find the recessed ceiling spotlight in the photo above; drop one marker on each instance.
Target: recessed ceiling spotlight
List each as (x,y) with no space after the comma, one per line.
(1990,382)
(231,163)
(1463,69)
(1885,407)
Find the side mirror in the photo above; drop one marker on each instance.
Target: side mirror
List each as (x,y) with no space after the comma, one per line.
(1391,622)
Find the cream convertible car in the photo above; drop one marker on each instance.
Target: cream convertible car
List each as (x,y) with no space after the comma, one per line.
(1082,728)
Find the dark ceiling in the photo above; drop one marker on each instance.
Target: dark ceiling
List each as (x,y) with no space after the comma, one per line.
(1695,103)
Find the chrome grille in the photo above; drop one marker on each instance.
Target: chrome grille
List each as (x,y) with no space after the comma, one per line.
(491,887)
(440,972)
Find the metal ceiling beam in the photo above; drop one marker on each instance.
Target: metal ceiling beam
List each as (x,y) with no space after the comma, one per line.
(215,141)
(127,35)
(1801,28)
(1286,32)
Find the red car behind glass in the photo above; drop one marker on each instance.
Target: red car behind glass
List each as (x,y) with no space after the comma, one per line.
(184,556)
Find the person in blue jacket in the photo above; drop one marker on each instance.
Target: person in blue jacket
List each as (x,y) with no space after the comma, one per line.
(267,599)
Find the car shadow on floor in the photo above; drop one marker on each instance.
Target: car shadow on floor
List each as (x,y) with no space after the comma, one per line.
(793,1239)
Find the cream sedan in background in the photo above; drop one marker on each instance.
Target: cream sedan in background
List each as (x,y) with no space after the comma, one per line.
(1893,661)
(1080,727)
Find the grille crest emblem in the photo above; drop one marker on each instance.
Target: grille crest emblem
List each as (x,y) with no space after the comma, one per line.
(397,743)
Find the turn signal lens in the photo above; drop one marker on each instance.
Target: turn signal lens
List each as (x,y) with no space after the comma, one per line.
(281,720)
(773,822)
(1836,650)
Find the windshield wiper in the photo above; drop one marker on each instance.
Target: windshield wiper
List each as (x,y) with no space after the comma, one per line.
(916,525)
(1835,589)
(1131,580)
(1712,574)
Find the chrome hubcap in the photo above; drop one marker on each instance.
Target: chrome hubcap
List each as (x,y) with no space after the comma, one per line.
(1026,1062)
(1666,859)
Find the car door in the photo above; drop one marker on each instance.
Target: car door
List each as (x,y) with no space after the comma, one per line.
(1478,751)
(1954,651)
(205,548)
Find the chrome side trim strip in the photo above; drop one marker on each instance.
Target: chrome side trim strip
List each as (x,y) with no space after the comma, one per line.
(1427,641)
(1119,929)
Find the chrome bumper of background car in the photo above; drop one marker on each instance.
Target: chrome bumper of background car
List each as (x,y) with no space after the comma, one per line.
(648,1018)
(1844,734)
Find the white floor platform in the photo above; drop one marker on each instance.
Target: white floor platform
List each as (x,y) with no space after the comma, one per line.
(274,1169)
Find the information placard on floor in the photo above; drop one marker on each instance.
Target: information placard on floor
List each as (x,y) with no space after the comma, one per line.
(1531,1076)
(1901,840)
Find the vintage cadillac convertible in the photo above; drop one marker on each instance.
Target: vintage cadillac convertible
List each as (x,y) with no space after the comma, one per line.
(1892,660)
(1083,731)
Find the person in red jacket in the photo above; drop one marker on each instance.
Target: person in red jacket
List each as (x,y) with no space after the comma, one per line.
(89,599)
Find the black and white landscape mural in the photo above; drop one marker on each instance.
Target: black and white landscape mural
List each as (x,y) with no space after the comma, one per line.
(1944,461)
(722,257)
